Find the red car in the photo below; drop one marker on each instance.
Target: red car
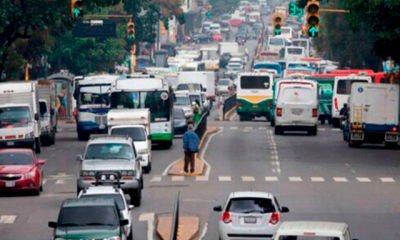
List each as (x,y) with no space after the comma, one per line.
(216,37)
(20,170)
(236,22)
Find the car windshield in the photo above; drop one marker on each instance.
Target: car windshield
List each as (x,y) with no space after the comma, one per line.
(344,86)
(109,151)
(292,237)
(187,87)
(137,134)
(276,41)
(14,117)
(178,113)
(116,197)
(15,159)
(254,82)
(182,100)
(193,98)
(295,51)
(250,205)
(88,216)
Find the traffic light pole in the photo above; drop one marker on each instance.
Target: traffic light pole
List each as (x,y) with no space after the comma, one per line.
(334,10)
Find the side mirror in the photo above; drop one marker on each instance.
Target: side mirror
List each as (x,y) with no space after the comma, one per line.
(37,116)
(217,209)
(41,161)
(284,210)
(204,89)
(79,158)
(124,222)
(139,158)
(130,207)
(53,224)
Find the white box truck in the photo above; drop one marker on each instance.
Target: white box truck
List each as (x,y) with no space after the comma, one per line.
(373,115)
(48,113)
(206,79)
(228,47)
(20,115)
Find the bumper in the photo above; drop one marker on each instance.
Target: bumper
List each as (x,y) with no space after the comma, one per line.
(91,127)
(27,143)
(29,184)
(126,185)
(237,233)
(146,160)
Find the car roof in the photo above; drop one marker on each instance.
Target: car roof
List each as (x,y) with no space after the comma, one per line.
(101,190)
(246,194)
(299,227)
(88,202)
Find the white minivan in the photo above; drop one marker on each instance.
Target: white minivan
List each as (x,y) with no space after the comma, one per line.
(293,53)
(341,94)
(297,107)
(275,44)
(312,231)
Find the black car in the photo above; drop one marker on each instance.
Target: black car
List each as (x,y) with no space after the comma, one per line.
(180,121)
(201,38)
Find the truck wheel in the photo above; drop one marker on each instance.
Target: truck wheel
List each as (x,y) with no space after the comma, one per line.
(148,168)
(272,122)
(37,145)
(353,144)
(82,136)
(336,123)
(136,197)
(241,118)
(277,130)
(391,145)
(53,137)
(323,121)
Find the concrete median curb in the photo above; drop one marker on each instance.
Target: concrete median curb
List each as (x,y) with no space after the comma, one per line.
(229,114)
(188,229)
(200,166)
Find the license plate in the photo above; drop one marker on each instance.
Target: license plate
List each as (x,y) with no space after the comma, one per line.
(297,111)
(250,220)
(10,184)
(10,143)
(255,106)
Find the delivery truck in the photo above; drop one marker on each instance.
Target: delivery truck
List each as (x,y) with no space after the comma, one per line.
(48,113)
(206,79)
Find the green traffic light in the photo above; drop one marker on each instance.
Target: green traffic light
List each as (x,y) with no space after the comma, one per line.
(208,14)
(313,32)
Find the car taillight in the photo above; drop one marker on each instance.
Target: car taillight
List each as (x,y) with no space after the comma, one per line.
(279,112)
(394,129)
(336,104)
(274,218)
(315,112)
(226,217)
(238,104)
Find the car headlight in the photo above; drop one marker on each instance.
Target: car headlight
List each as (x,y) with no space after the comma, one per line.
(30,174)
(114,238)
(30,135)
(88,173)
(128,173)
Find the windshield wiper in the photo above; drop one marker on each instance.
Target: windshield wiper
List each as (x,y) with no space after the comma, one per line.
(99,224)
(254,211)
(69,225)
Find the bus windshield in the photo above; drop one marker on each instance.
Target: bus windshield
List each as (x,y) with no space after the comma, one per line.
(157,102)
(344,86)
(94,95)
(254,82)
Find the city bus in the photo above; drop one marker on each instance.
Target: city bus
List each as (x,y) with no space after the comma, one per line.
(137,91)
(92,104)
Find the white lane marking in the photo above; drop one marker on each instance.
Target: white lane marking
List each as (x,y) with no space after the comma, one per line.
(201,178)
(317,179)
(178,178)
(61,181)
(248,128)
(156,179)
(321,129)
(262,128)
(295,179)
(271,179)
(340,179)
(245,130)
(45,181)
(234,128)
(62,174)
(7,219)
(336,130)
(203,233)
(165,173)
(149,218)
(248,179)
(224,178)
(204,150)
(363,179)
(387,180)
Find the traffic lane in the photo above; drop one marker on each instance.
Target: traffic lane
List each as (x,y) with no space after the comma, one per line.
(327,155)
(361,206)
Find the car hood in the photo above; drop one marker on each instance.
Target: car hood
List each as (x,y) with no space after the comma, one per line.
(15,169)
(16,131)
(101,165)
(92,232)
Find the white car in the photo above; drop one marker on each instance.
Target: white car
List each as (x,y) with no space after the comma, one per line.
(114,193)
(183,101)
(140,139)
(236,60)
(312,230)
(223,86)
(234,67)
(296,107)
(250,215)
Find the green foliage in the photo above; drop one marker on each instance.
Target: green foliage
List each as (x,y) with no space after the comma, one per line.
(223,6)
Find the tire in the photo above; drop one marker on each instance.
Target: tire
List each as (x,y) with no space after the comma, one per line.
(277,130)
(36,192)
(141,183)
(82,136)
(130,237)
(147,169)
(391,145)
(53,138)
(168,145)
(242,118)
(136,197)
(315,131)
(78,190)
(352,144)
(37,145)
(336,123)
(323,121)
(272,122)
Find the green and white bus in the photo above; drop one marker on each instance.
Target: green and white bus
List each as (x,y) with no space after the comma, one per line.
(149,92)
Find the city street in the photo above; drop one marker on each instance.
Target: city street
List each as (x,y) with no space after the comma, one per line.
(318,178)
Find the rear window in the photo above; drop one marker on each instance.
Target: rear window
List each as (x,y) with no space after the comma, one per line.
(297,95)
(178,113)
(254,82)
(137,134)
(297,51)
(344,86)
(250,205)
(276,41)
(307,238)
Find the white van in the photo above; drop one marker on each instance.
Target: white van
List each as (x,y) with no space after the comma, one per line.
(254,17)
(303,42)
(293,53)
(341,94)
(312,230)
(275,44)
(287,33)
(297,107)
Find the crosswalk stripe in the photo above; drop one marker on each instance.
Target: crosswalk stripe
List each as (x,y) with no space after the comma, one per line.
(295,179)
(156,179)
(321,129)
(201,178)
(234,128)
(336,130)
(363,179)
(60,181)
(178,178)
(262,128)
(271,179)
(340,179)
(248,128)
(7,219)
(387,180)
(248,179)
(45,181)
(224,178)
(317,179)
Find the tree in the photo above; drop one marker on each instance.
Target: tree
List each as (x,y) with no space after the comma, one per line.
(223,6)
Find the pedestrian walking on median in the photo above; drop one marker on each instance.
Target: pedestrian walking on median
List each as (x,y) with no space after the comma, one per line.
(191,147)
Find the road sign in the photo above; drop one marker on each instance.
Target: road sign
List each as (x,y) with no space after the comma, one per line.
(294,10)
(94,28)
(313,31)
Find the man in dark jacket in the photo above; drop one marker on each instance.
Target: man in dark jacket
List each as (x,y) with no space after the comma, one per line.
(191,147)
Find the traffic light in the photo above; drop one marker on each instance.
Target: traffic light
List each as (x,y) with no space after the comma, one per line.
(208,13)
(162,28)
(277,21)
(130,33)
(313,11)
(76,9)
